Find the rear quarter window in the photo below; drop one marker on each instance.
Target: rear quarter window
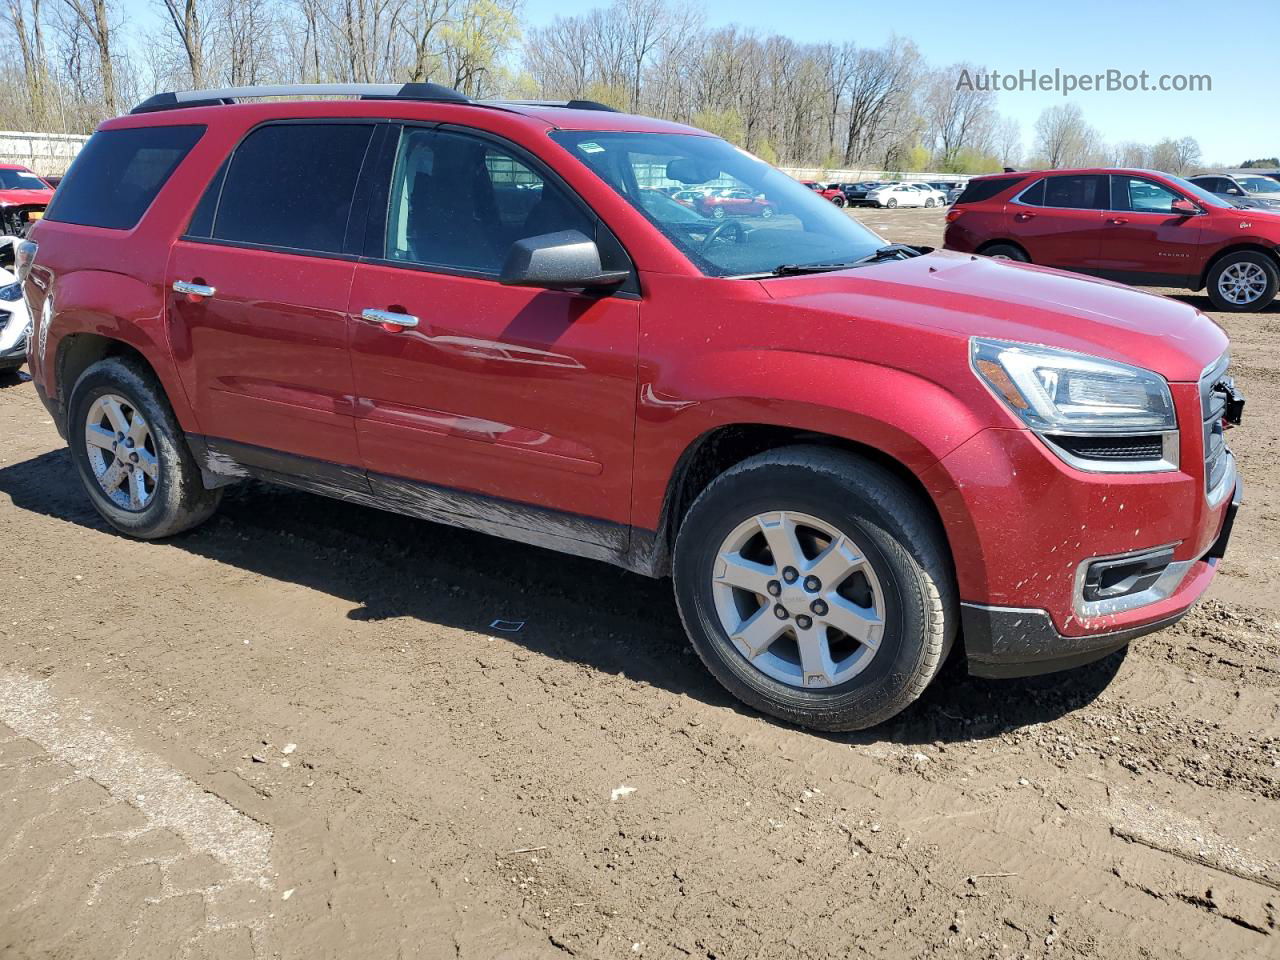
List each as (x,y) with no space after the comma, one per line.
(979,190)
(118,173)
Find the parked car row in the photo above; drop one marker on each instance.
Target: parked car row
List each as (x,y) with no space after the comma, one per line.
(889,194)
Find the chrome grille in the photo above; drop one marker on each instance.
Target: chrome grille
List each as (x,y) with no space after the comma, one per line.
(1217,458)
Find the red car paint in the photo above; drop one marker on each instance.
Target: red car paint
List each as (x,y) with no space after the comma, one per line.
(1133,246)
(734,203)
(588,405)
(20,205)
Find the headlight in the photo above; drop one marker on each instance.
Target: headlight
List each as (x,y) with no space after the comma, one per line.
(12,292)
(1058,390)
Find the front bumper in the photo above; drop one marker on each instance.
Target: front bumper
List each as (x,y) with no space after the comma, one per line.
(1002,642)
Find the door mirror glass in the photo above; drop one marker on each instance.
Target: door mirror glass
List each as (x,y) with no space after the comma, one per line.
(566,260)
(1184,207)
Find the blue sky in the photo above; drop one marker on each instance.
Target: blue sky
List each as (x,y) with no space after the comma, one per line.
(1234,122)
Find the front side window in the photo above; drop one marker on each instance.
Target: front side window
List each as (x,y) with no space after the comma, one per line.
(460,202)
(1139,195)
(1076,192)
(773,221)
(290,185)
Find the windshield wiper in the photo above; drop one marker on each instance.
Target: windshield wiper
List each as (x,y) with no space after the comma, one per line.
(791,269)
(893,251)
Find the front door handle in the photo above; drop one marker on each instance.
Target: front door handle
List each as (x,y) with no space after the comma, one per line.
(193,289)
(389,319)
(1118,221)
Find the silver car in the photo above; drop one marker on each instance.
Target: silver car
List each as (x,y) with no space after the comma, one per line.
(15,323)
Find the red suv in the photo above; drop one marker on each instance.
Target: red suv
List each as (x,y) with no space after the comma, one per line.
(1135,226)
(23,199)
(846,453)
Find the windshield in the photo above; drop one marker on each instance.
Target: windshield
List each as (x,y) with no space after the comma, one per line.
(21,180)
(730,213)
(1200,193)
(1259,185)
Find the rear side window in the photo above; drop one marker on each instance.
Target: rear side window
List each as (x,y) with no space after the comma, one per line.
(118,173)
(290,185)
(1077,192)
(978,190)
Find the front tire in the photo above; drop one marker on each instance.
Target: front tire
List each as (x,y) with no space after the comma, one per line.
(928,202)
(816,587)
(1244,281)
(891,203)
(838,201)
(131,453)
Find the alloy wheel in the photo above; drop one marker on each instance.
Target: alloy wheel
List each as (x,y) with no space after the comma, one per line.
(798,599)
(122,452)
(1242,283)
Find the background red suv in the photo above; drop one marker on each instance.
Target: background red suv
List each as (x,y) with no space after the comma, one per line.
(1135,226)
(486,314)
(23,199)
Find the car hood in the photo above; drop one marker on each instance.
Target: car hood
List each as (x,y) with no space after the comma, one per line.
(976,296)
(26,196)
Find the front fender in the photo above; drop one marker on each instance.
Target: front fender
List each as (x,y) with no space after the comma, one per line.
(914,420)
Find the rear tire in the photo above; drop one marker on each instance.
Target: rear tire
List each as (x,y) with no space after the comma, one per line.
(892,571)
(172,498)
(1243,282)
(838,201)
(1006,251)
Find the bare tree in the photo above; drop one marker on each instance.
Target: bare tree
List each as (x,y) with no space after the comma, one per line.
(1063,138)
(1008,142)
(957,117)
(188,25)
(94,17)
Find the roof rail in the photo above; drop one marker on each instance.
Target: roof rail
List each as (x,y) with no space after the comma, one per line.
(175,100)
(567,104)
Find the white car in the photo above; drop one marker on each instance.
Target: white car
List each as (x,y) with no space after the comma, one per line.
(906,195)
(15,322)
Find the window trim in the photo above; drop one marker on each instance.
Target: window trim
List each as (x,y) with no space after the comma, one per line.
(378,223)
(1017,198)
(224,170)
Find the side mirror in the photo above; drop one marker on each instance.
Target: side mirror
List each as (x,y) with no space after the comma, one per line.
(567,260)
(1234,191)
(1183,207)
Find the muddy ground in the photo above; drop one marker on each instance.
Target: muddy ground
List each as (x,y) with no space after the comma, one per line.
(293,733)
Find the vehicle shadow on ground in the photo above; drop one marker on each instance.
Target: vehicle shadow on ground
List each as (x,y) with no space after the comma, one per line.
(13,378)
(573,609)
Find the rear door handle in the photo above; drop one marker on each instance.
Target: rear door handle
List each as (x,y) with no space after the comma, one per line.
(193,289)
(1118,221)
(389,319)
(1024,217)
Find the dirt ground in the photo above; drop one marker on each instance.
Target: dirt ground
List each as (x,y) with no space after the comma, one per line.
(293,733)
